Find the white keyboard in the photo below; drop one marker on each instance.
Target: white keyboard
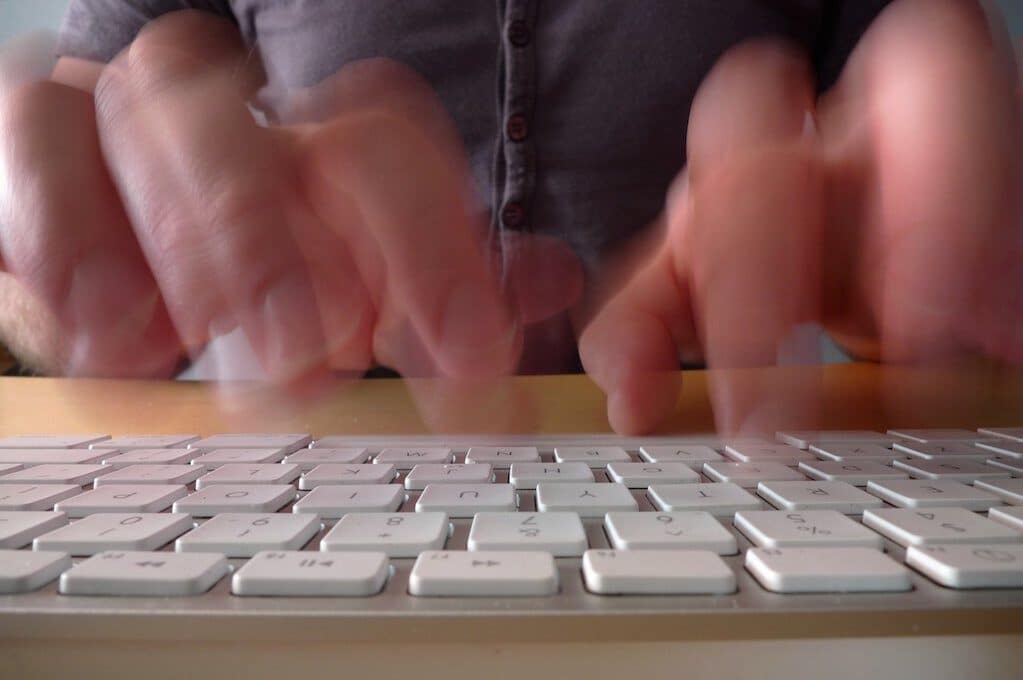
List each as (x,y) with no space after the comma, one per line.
(908,519)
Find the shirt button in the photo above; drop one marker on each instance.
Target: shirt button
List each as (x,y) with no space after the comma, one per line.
(513,214)
(518,33)
(517,128)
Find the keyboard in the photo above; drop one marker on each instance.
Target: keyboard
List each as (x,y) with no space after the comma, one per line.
(349,527)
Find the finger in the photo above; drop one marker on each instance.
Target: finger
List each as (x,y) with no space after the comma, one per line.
(66,236)
(211,195)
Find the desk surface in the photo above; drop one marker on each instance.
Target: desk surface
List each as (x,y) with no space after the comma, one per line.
(854,396)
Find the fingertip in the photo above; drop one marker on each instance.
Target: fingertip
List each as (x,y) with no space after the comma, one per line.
(642,402)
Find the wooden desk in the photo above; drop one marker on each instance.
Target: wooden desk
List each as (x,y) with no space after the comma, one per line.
(854,396)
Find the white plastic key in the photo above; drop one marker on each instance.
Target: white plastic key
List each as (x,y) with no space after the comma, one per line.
(245,534)
(642,475)
(528,475)
(969,566)
(826,570)
(404,534)
(113,498)
(10,467)
(839,496)
(856,453)
(284,442)
(1011,433)
(803,439)
(219,498)
(720,499)
(501,457)
(406,459)
(559,533)
(146,441)
(855,473)
(296,573)
(23,571)
(35,496)
(777,453)
(960,470)
(148,457)
(588,500)
(265,473)
(668,531)
(216,457)
(79,475)
(936,434)
(333,474)
(308,459)
(1009,516)
(748,475)
(449,473)
(946,451)
(115,531)
(455,573)
(332,502)
(17,529)
(1009,490)
(808,529)
(151,474)
(465,500)
(923,493)
(151,574)
(593,456)
(937,525)
(691,456)
(29,457)
(1013,465)
(657,572)
(1006,448)
(51,441)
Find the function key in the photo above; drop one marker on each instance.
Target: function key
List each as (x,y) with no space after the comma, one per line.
(483,574)
(288,443)
(657,572)
(969,566)
(51,441)
(22,571)
(826,570)
(152,574)
(298,573)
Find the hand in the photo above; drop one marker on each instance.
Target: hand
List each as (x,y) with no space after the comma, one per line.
(887,211)
(157,214)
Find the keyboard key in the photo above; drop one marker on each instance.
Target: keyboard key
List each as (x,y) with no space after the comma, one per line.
(10,467)
(115,531)
(528,475)
(50,441)
(1010,517)
(334,474)
(777,453)
(287,443)
(588,500)
(656,572)
(920,493)
(113,498)
(803,439)
(17,529)
(35,496)
(1009,490)
(147,441)
(691,456)
(79,475)
(152,474)
(593,456)
(839,496)
(451,473)
(668,531)
(307,459)
(483,574)
(826,570)
(501,457)
(245,534)
(856,453)
(945,452)
(1005,448)
(936,434)
(1011,433)
(296,573)
(1015,467)
(265,473)
(28,457)
(559,533)
(642,475)
(937,525)
(465,500)
(219,498)
(148,574)
(406,459)
(217,457)
(395,534)
(723,499)
(808,529)
(969,566)
(748,475)
(148,457)
(22,571)
(332,502)
(961,471)
(857,474)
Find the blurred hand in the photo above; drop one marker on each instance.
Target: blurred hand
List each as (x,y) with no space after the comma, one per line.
(156,215)
(888,211)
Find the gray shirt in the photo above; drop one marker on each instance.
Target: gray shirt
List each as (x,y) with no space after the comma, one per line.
(573,112)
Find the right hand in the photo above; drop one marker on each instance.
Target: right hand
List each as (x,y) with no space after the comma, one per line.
(156,214)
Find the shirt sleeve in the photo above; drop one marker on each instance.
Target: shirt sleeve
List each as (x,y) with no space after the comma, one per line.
(98,29)
(844,24)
